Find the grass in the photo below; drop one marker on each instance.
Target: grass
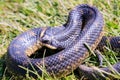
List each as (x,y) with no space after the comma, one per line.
(17,16)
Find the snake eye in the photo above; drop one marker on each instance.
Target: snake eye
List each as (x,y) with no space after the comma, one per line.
(46,41)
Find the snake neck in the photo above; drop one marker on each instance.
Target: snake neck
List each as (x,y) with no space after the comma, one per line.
(80,17)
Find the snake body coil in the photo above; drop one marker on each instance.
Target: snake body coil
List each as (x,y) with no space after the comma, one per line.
(84,25)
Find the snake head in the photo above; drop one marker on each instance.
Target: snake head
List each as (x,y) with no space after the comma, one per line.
(47,38)
(51,42)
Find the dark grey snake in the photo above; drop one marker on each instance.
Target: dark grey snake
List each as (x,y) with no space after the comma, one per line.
(84,26)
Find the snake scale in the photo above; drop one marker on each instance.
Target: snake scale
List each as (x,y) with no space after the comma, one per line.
(84,26)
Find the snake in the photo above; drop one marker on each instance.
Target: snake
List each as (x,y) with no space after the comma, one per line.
(65,45)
